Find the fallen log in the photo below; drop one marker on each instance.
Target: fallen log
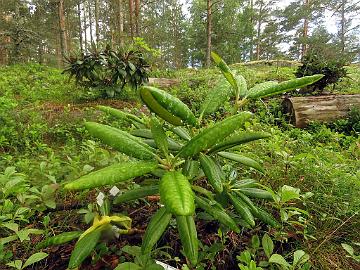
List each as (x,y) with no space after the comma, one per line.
(327,108)
(163,82)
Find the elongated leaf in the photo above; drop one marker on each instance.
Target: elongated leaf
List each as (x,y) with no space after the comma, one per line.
(59,239)
(284,86)
(212,135)
(216,97)
(159,136)
(268,245)
(143,133)
(120,140)
(159,110)
(155,229)
(176,194)
(84,247)
(182,133)
(238,139)
(212,172)
(242,85)
(188,237)
(112,175)
(120,114)
(225,70)
(218,212)
(171,104)
(243,160)
(172,145)
(35,258)
(261,87)
(136,194)
(242,209)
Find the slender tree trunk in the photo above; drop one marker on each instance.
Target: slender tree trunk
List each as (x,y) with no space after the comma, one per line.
(97,30)
(121,22)
(258,34)
(343,22)
(80,27)
(85,28)
(90,23)
(137,18)
(251,35)
(208,33)
(63,42)
(131,25)
(305,30)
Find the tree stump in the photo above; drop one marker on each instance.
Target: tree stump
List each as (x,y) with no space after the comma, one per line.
(328,108)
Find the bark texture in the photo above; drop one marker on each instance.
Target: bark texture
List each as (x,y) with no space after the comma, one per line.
(302,110)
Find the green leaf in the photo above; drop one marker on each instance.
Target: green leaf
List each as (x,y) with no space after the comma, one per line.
(159,135)
(300,257)
(16,264)
(35,258)
(284,86)
(212,135)
(278,259)
(349,249)
(268,245)
(261,87)
(120,140)
(84,247)
(155,98)
(128,266)
(289,193)
(176,194)
(243,160)
(158,224)
(112,174)
(188,235)
(216,97)
(225,70)
(242,85)
(238,139)
(255,241)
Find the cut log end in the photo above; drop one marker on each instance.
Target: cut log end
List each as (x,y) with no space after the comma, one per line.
(303,110)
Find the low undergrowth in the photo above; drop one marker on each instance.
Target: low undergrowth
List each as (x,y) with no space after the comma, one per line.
(41,149)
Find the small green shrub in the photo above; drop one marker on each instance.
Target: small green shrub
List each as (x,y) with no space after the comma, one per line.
(322,61)
(108,70)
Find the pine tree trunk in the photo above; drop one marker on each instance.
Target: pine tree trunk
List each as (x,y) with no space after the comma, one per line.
(90,23)
(121,22)
(251,36)
(305,30)
(258,32)
(97,30)
(208,33)
(137,12)
(80,27)
(85,28)
(131,24)
(343,22)
(63,41)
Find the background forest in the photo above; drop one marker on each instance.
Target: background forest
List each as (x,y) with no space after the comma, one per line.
(184,32)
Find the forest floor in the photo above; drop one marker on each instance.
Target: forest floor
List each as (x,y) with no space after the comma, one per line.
(43,144)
